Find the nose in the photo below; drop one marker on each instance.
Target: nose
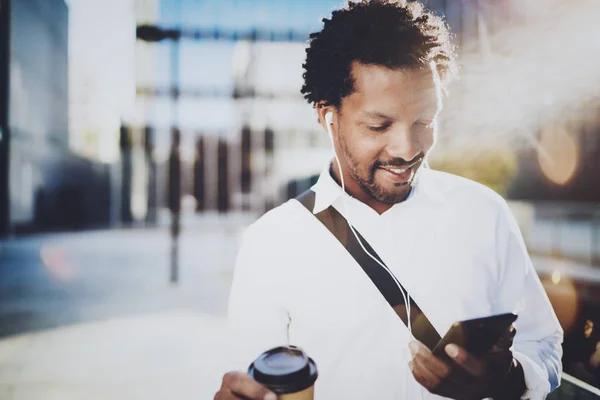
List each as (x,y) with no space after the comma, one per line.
(402,143)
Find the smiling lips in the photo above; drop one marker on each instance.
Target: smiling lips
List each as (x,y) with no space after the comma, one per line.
(397,170)
(398,174)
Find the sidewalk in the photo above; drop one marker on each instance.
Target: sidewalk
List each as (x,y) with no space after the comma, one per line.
(125,332)
(174,355)
(92,315)
(54,280)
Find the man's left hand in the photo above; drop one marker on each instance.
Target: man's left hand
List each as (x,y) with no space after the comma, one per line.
(467,377)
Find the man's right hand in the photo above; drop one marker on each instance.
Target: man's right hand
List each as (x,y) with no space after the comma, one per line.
(238,385)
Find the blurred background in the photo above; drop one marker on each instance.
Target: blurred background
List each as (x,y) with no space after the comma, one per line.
(138,139)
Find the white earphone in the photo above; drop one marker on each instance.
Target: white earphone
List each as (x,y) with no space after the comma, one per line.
(405,295)
(329,121)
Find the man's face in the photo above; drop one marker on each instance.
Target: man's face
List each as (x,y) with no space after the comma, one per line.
(385,129)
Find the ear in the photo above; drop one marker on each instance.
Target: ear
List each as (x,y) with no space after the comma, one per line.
(322,110)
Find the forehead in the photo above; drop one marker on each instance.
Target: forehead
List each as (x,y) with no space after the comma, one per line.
(379,87)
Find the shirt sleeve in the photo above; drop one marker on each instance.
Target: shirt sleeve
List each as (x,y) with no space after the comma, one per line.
(537,344)
(257,317)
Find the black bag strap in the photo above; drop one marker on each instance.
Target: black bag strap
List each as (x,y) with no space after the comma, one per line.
(422,329)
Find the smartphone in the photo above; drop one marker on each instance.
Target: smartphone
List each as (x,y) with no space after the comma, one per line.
(477,336)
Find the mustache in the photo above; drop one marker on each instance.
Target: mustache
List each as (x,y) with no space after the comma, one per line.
(399,162)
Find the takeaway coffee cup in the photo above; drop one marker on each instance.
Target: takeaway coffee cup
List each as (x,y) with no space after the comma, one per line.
(287,371)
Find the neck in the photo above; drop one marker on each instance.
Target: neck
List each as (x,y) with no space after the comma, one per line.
(353,189)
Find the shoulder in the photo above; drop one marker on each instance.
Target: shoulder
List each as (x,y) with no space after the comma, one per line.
(278,224)
(270,246)
(462,193)
(474,212)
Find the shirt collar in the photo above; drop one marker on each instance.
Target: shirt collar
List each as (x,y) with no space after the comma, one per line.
(327,190)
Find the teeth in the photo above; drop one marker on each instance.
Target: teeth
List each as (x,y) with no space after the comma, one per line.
(398,170)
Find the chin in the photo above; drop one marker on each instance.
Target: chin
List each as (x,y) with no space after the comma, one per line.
(395,194)
(407,184)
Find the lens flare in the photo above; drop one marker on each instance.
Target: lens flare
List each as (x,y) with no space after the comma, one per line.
(55,260)
(556,277)
(564,298)
(558,154)
(537,71)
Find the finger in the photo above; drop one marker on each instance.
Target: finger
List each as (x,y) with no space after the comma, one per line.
(472,365)
(432,380)
(499,362)
(458,384)
(445,388)
(226,394)
(419,377)
(242,384)
(509,334)
(425,358)
(447,384)
(506,340)
(454,391)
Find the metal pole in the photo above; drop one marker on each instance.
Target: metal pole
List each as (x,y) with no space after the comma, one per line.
(199,181)
(125,140)
(595,248)
(223,201)
(152,185)
(175,164)
(175,89)
(269,150)
(175,202)
(4,110)
(246,167)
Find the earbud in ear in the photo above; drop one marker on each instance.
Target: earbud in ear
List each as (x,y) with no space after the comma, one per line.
(329,118)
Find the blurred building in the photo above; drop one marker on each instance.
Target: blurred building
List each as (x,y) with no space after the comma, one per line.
(101,75)
(234,76)
(558,154)
(44,186)
(238,83)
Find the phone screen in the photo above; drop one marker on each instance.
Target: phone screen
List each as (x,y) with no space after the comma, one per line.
(477,336)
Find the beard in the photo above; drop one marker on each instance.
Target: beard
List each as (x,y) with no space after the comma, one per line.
(366,179)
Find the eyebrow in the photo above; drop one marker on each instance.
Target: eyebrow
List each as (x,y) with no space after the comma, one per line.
(375,114)
(432,113)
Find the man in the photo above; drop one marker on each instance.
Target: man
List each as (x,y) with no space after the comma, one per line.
(379,68)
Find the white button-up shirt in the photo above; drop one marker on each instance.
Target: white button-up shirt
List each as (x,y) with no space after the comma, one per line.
(453,244)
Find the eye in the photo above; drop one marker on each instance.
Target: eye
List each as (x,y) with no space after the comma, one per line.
(380,128)
(425,124)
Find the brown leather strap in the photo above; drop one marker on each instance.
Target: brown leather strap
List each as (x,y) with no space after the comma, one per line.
(422,329)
